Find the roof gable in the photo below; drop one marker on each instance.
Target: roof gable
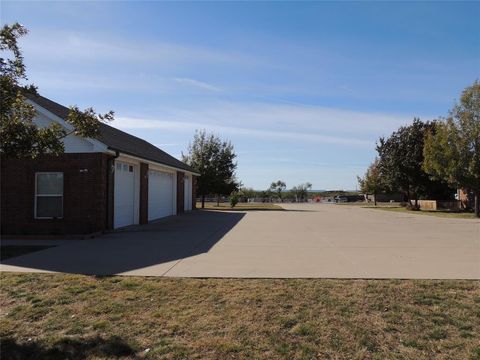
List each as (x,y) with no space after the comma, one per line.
(116,139)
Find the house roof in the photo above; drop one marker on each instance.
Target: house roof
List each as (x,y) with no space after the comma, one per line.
(115,139)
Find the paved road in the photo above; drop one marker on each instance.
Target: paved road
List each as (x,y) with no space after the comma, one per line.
(311,240)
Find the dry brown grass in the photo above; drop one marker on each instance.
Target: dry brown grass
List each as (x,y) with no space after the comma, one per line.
(80,317)
(438,213)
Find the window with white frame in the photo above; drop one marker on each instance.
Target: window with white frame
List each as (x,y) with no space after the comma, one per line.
(49,195)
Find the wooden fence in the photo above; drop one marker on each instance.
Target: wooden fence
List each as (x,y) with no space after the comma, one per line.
(438,205)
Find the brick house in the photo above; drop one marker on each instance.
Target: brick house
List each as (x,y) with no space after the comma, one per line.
(99,184)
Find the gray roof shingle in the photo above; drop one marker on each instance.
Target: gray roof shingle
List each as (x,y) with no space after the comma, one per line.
(115,139)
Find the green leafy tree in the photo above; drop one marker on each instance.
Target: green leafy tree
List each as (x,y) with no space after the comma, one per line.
(235,198)
(401,161)
(248,193)
(278,187)
(266,195)
(452,151)
(214,160)
(300,192)
(20,137)
(371,183)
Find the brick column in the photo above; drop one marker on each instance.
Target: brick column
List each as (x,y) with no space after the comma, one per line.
(143,193)
(110,192)
(180,192)
(194,192)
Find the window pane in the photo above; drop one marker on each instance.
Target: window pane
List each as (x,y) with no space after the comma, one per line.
(49,206)
(50,184)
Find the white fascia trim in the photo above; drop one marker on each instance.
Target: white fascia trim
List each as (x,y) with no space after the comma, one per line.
(97,145)
(156,163)
(155,166)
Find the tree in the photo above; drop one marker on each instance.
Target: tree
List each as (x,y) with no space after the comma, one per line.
(278,187)
(371,183)
(452,151)
(234,198)
(401,160)
(266,195)
(20,137)
(214,160)
(301,191)
(248,193)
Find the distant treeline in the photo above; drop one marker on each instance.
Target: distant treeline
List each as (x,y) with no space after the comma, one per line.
(296,194)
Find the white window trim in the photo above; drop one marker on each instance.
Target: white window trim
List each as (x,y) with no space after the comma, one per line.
(46,195)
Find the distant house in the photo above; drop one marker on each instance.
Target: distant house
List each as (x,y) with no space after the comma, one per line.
(99,184)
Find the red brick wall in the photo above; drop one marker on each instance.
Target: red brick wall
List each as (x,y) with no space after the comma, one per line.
(180,192)
(84,194)
(194,192)
(110,192)
(143,193)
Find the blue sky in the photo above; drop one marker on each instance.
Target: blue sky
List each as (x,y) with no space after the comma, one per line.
(302,89)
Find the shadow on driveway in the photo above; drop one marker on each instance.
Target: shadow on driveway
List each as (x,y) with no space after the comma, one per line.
(158,245)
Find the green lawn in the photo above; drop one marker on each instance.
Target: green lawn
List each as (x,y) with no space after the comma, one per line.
(9,251)
(439,213)
(242,207)
(80,317)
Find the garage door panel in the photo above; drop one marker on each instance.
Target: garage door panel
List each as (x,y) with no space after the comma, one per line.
(124,202)
(160,194)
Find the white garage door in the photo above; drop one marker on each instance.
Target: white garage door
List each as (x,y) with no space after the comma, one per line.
(188,193)
(124,202)
(160,194)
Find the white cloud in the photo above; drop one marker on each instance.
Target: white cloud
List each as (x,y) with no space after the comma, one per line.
(169,145)
(197,84)
(137,123)
(72,46)
(118,82)
(294,121)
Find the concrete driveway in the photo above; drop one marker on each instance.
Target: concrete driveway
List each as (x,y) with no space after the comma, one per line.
(311,240)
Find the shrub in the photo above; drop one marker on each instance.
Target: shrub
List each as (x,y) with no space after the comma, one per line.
(234,197)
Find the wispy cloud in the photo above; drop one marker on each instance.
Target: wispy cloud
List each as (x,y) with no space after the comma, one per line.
(197,84)
(168,145)
(150,84)
(272,118)
(296,122)
(73,46)
(135,123)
